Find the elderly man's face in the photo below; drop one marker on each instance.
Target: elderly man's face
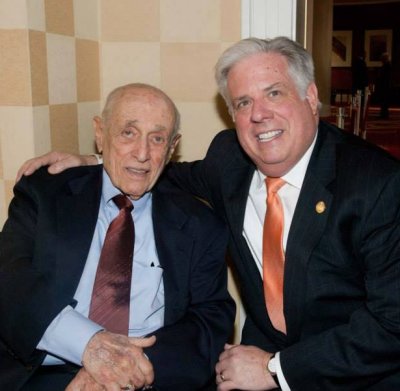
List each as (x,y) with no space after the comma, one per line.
(275,126)
(136,140)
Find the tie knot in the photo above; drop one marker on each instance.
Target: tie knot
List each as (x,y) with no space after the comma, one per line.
(274,184)
(122,201)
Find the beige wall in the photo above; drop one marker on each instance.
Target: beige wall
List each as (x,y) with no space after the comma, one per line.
(172,44)
(49,81)
(60,58)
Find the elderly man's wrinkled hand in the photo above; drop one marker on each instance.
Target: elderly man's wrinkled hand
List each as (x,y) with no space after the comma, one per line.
(84,382)
(117,362)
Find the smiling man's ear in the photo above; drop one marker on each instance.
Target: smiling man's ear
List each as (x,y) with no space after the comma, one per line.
(98,132)
(312,97)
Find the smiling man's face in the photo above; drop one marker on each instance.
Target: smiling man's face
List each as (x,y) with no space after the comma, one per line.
(136,140)
(274,124)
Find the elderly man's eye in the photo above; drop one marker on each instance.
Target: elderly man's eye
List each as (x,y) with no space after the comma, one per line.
(127,133)
(158,139)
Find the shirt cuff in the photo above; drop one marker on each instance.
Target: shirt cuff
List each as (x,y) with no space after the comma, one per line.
(68,334)
(282,381)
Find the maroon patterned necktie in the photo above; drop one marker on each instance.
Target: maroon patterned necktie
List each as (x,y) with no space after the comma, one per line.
(111,291)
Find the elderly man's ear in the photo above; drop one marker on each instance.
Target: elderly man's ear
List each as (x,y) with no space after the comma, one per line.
(174,144)
(98,132)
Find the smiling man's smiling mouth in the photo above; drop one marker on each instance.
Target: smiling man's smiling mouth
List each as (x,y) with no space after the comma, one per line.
(267,136)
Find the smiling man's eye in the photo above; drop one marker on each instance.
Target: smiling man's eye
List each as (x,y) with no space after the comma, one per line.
(274,93)
(242,104)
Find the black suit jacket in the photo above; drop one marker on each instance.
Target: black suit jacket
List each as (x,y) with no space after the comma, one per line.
(44,245)
(342,268)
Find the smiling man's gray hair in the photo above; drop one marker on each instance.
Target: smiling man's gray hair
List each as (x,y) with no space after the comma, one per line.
(300,62)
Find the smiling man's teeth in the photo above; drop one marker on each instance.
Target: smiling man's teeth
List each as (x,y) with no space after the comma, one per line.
(268,135)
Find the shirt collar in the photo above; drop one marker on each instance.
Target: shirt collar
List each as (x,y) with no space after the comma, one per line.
(295,176)
(109,191)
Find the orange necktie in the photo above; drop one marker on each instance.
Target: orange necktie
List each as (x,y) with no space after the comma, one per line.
(273,256)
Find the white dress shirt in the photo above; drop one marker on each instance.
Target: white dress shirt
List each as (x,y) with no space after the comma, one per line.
(255,214)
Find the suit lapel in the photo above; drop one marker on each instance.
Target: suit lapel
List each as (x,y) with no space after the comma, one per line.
(173,245)
(236,184)
(77,212)
(308,225)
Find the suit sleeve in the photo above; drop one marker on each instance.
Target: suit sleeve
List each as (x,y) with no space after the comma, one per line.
(30,296)
(190,177)
(22,284)
(202,177)
(187,350)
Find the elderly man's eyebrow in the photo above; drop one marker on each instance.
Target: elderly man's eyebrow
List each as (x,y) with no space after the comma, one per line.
(157,127)
(160,128)
(131,122)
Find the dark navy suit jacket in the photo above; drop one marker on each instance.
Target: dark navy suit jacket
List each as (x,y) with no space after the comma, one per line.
(43,249)
(342,268)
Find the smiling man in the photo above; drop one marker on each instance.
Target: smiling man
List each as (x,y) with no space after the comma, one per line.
(322,295)
(275,120)
(68,312)
(314,220)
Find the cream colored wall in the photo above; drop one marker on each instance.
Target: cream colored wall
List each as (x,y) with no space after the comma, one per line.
(49,81)
(172,44)
(60,58)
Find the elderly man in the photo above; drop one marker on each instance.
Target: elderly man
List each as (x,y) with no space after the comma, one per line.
(83,283)
(314,217)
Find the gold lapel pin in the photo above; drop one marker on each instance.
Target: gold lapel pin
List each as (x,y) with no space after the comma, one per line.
(320,207)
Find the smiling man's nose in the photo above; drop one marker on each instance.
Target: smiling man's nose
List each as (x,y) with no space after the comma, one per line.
(260,111)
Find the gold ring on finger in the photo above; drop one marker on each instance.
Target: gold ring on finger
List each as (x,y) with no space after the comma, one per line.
(128,387)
